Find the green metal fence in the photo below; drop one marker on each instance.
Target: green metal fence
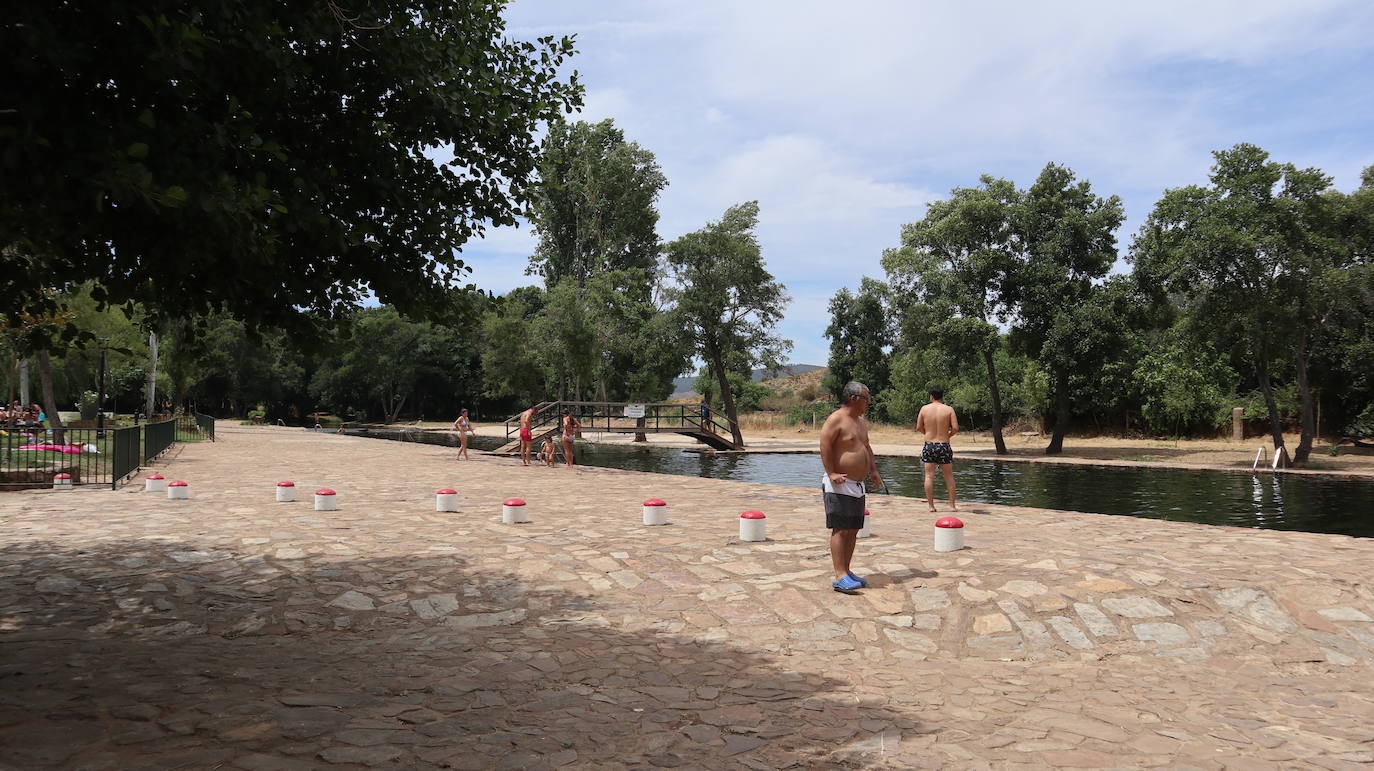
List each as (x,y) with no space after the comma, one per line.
(125,444)
(157,438)
(206,424)
(30,456)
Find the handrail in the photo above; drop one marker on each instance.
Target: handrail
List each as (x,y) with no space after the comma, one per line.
(1258,454)
(679,415)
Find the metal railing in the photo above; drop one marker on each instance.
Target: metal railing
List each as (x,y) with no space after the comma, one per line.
(158,438)
(610,417)
(30,456)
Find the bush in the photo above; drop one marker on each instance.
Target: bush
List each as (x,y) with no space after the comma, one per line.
(807,413)
(1363,424)
(781,402)
(87,405)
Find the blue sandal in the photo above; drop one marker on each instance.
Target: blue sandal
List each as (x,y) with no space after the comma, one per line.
(863,582)
(847,585)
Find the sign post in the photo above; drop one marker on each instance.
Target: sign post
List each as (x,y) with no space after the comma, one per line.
(634,410)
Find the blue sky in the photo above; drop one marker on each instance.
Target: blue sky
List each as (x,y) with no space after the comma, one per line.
(844,121)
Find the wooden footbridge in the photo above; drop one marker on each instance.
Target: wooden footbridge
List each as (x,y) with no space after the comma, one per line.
(693,420)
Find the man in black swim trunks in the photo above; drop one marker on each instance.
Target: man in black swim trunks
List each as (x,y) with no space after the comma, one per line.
(848,461)
(938,423)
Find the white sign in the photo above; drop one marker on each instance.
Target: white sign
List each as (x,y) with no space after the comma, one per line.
(634,410)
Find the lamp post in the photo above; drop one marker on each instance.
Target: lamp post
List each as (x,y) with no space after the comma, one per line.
(100,395)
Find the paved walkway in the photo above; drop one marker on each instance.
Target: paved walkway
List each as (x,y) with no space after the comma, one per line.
(230,631)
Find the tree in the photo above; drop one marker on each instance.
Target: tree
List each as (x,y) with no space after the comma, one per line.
(594,206)
(1258,250)
(860,335)
(959,258)
(1068,244)
(728,302)
(264,158)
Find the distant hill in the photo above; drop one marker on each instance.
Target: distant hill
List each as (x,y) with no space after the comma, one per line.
(682,387)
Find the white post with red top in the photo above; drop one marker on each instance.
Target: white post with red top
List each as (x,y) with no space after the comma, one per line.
(326,500)
(286,492)
(949,534)
(178,491)
(753,526)
(864,532)
(446,500)
(154,483)
(62,481)
(513,512)
(655,512)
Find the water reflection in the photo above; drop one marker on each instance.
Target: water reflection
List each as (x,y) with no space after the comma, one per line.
(1282,502)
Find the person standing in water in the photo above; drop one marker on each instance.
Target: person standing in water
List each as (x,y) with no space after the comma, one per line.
(938,424)
(848,461)
(464,428)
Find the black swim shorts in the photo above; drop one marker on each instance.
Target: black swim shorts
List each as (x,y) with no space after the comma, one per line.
(937,452)
(843,512)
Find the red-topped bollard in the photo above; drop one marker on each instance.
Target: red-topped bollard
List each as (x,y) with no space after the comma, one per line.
(62,481)
(446,500)
(655,512)
(178,491)
(286,492)
(753,526)
(949,534)
(154,483)
(513,512)
(864,532)
(326,500)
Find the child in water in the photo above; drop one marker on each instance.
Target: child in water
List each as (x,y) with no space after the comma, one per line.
(546,452)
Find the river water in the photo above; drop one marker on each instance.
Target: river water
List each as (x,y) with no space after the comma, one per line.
(1311,503)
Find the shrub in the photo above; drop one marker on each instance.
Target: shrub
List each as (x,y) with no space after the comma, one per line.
(87,405)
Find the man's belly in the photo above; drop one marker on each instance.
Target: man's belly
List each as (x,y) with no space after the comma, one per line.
(853,464)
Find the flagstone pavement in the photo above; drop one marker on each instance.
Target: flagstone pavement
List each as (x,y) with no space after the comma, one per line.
(231,631)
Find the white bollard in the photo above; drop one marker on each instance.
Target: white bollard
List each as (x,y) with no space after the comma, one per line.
(446,500)
(949,534)
(326,500)
(864,532)
(62,481)
(753,526)
(513,512)
(655,512)
(154,483)
(286,492)
(178,491)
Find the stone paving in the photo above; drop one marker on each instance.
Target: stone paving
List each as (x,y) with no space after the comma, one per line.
(231,631)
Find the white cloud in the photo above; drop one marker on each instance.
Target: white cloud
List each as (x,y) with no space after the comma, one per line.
(843,121)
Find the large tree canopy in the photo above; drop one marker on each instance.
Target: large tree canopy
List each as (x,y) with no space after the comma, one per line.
(264,158)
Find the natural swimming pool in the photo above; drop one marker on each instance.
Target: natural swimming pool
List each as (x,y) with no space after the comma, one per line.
(1316,504)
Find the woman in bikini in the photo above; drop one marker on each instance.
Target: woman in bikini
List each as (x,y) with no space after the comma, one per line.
(570,426)
(464,428)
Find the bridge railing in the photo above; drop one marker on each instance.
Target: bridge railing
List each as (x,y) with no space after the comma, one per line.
(610,416)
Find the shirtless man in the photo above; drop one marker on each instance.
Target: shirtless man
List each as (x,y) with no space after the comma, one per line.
(526,437)
(938,423)
(848,461)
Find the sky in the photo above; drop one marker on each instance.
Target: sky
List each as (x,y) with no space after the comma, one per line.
(845,120)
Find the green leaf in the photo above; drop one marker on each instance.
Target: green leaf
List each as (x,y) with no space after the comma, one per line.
(138,150)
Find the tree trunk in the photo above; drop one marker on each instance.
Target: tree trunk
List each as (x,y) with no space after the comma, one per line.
(996,404)
(59,436)
(1267,388)
(1305,400)
(24,381)
(718,364)
(1061,414)
(152,371)
(640,436)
